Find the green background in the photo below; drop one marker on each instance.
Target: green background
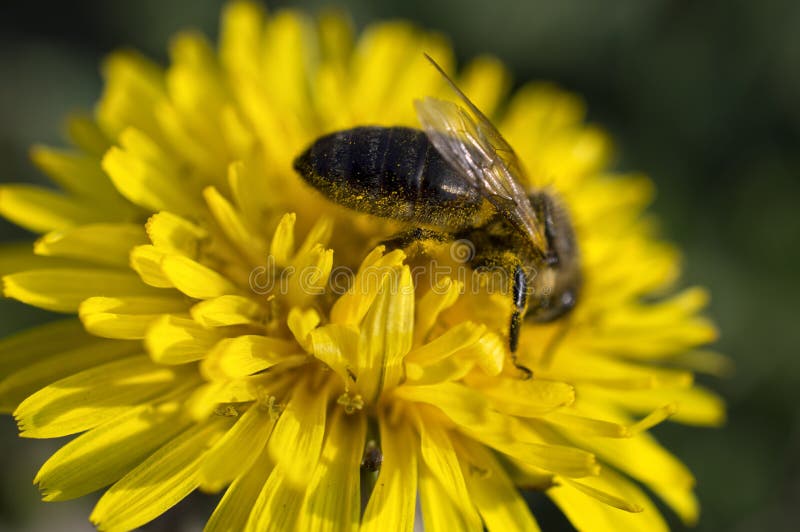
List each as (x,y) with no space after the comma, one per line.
(702,96)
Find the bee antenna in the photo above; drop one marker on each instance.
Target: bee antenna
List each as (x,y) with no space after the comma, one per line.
(438,67)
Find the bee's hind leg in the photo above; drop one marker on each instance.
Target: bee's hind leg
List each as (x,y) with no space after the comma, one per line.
(413,240)
(519,292)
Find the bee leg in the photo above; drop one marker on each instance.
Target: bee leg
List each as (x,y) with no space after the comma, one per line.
(411,241)
(520,296)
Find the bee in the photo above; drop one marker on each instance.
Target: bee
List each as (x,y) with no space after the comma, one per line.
(457,178)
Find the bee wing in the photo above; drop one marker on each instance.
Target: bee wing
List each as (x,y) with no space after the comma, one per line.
(470,143)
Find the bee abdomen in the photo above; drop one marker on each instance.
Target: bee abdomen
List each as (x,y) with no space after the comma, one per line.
(392,172)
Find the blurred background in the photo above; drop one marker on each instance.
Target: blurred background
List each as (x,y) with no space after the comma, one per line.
(702,96)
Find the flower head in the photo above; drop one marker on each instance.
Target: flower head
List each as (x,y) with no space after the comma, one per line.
(239,333)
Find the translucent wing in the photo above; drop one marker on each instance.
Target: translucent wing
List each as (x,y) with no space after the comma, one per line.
(471,144)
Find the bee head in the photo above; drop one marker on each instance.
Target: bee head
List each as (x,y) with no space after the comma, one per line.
(558,232)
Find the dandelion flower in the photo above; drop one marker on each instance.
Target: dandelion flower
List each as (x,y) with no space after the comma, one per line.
(220,343)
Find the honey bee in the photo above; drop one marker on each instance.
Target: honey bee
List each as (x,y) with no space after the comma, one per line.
(457,178)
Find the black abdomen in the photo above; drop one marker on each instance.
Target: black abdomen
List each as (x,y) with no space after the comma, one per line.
(393,172)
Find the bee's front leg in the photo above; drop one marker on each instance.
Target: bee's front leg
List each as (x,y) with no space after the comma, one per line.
(519,292)
(489,261)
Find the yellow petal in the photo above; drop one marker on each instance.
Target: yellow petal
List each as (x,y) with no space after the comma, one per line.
(498,501)
(84,132)
(175,340)
(336,35)
(126,318)
(207,397)
(173,233)
(439,512)
(296,440)
(78,173)
(249,243)
(695,406)
(589,509)
(605,497)
(333,500)
(233,511)
(278,504)
(641,340)
(463,405)
(102,243)
(682,500)
(610,373)
(568,461)
(440,458)
(245,355)
(104,454)
(470,410)
(649,267)
(41,210)
(375,268)
(587,426)
(301,323)
(64,362)
(455,339)
(287,41)
(73,405)
(705,361)
(133,83)
(319,234)
(238,449)
(399,45)
(278,99)
(18,256)
(295,446)
(386,335)
(644,459)
(669,326)
(236,132)
(146,261)
(309,276)
(525,398)
(190,120)
(158,483)
(228,310)
(241,36)
(34,344)
(252,194)
(447,370)
(282,246)
(63,290)
(394,496)
(194,279)
(489,353)
(147,176)
(438,299)
(336,345)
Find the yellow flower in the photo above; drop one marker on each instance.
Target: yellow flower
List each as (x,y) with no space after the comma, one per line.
(223,346)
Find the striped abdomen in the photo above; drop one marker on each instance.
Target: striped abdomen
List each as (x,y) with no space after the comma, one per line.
(393,172)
